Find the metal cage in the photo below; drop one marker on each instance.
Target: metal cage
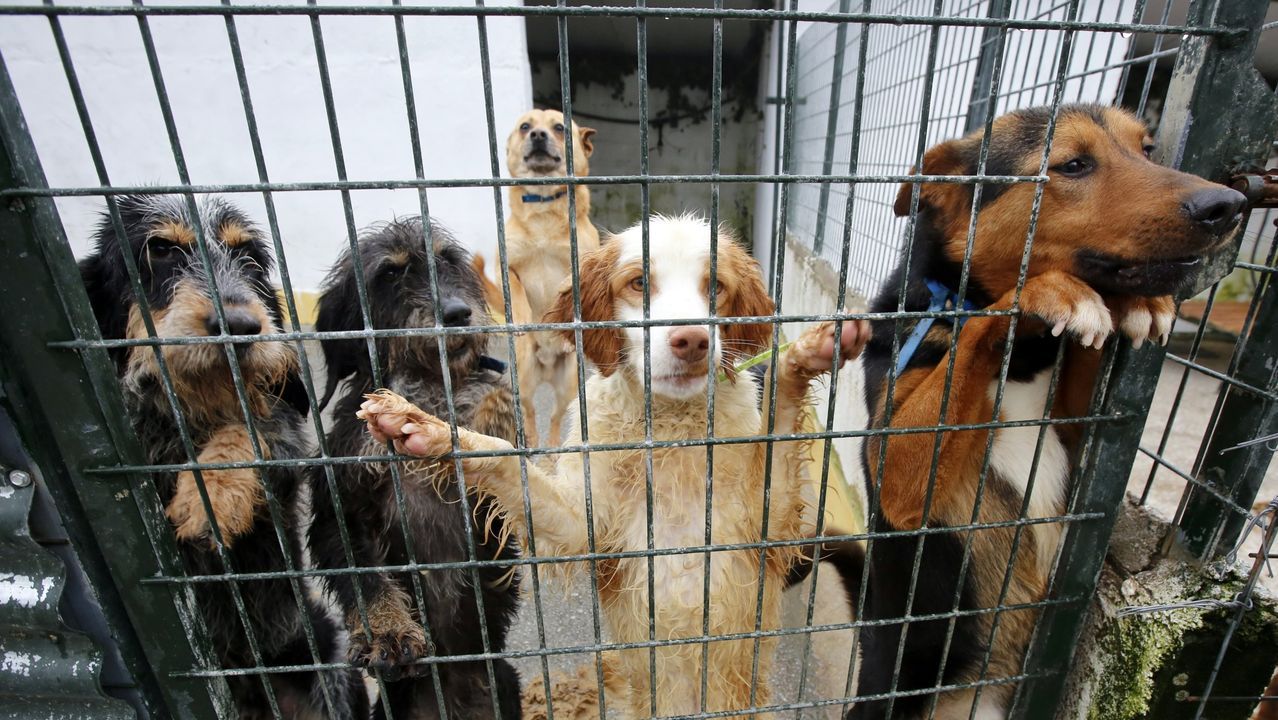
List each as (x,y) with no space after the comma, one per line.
(856,92)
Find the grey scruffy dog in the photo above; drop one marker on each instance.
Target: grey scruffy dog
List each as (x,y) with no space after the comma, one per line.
(160,235)
(394,261)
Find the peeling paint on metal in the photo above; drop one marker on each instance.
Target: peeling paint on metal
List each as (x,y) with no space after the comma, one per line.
(17,663)
(23,590)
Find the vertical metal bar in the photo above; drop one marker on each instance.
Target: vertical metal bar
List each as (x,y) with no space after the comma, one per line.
(827,446)
(477,585)
(494,166)
(712,292)
(645,259)
(1235,471)
(361,290)
(854,161)
(778,270)
(565,87)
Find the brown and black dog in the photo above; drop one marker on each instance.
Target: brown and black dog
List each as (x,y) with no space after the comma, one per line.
(1117,235)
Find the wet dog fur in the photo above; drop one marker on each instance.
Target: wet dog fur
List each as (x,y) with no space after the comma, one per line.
(394,262)
(1117,235)
(161,237)
(682,358)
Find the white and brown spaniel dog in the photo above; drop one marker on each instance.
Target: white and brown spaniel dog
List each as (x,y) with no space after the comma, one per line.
(683,358)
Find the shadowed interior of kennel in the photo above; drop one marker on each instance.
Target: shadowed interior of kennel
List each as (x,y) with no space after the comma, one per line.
(859,101)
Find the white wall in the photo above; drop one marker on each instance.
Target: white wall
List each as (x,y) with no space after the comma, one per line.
(282,71)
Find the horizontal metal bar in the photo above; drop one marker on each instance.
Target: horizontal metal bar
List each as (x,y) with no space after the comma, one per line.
(1253,266)
(617,555)
(1233,698)
(1232,381)
(515,328)
(1171,467)
(663,13)
(860,698)
(609,447)
(420,183)
(643,644)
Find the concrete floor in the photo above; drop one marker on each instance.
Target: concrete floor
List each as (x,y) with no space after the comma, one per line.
(1184,441)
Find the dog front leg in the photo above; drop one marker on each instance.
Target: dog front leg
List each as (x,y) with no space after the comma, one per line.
(234,494)
(529,380)
(1063,302)
(558,503)
(811,356)
(393,638)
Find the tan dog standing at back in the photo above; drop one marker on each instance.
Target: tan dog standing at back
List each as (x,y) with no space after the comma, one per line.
(539,250)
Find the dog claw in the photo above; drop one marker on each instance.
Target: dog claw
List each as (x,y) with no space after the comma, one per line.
(393,653)
(1058,329)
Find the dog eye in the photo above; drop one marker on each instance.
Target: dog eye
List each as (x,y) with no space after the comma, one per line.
(525,127)
(559,128)
(1077,167)
(157,249)
(1148,150)
(637,284)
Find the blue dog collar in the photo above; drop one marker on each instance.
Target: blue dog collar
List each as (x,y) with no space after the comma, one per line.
(489,362)
(535,198)
(942,299)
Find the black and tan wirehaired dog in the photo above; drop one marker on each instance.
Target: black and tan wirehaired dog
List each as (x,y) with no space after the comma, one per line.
(394,261)
(160,235)
(1117,236)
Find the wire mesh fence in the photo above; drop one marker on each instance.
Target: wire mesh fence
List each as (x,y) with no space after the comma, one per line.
(860,94)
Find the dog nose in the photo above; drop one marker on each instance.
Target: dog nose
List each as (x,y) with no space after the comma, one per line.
(690,343)
(239,321)
(1215,209)
(456,313)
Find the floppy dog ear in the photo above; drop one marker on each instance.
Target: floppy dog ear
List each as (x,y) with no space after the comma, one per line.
(602,346)
(744,296)
(586,134)
(110,309)
(948,158)
(339,310)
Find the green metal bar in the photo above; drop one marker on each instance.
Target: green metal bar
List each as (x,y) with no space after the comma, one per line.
(682,641)
(1196,137)
(1237,472)
(342,184)
(42,300)
(643,445)
(60,675)
(661,13)
(1214,144)
(619,555)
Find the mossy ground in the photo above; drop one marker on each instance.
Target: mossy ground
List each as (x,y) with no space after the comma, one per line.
(1151,665)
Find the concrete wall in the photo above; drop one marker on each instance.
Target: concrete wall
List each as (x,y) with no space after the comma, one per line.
(283,78)
(673,149)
